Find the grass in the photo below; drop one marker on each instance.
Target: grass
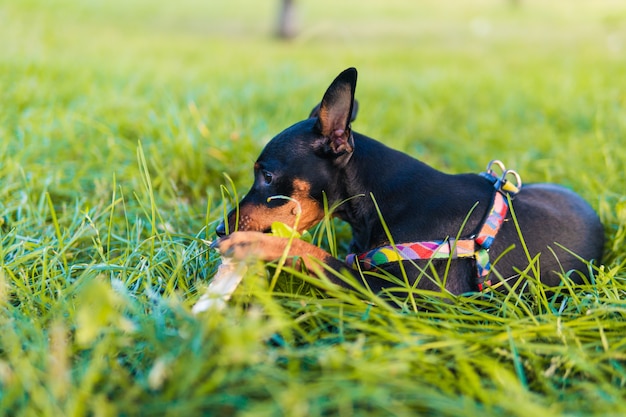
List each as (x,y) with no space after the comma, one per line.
(118,121)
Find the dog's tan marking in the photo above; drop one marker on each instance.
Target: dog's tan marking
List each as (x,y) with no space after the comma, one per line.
(311,211)
(260,217)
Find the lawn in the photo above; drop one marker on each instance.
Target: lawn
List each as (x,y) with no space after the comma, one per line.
(128,128)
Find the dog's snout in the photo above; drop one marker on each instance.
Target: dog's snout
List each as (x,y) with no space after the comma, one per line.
(220,230)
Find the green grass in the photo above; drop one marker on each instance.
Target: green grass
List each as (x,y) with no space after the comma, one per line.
(119,119)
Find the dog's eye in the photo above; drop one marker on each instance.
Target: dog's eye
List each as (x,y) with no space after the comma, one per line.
(267,177)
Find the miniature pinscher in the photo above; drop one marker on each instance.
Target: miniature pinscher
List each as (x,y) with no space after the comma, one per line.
(461,233)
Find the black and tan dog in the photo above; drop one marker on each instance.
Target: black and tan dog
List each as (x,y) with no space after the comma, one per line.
(444,231)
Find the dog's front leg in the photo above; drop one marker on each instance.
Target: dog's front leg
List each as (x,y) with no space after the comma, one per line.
(257,245)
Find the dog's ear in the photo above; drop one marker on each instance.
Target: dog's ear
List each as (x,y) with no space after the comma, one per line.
(335,113)
(355,110)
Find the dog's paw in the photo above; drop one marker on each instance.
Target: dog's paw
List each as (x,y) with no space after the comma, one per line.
(251,245)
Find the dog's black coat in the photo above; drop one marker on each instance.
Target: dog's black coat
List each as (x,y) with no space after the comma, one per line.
(322,156)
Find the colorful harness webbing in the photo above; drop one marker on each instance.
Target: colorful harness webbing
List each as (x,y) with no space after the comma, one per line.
(476,246)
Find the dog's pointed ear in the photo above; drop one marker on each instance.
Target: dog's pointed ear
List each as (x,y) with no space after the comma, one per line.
(335,113)
(355,110)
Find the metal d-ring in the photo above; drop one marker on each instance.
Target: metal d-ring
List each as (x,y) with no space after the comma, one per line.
(501,181)
(497,162)
(507,185)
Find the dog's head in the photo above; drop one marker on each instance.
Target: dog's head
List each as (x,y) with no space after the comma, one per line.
(300,165)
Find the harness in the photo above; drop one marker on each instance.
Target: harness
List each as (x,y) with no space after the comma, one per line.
(476,246)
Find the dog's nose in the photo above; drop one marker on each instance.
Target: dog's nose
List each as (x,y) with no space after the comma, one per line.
(220,230)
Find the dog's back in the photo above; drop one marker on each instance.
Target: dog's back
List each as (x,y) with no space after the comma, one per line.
(556,223)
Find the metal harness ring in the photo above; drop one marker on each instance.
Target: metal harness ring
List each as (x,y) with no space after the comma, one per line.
(502,182)
(507,185)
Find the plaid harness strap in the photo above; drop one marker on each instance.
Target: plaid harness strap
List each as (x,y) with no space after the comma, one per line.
(476,246)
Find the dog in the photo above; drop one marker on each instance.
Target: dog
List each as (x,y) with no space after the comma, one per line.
(478,231)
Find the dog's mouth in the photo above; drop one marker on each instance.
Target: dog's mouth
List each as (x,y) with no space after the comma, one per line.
(298,213)
(221,231)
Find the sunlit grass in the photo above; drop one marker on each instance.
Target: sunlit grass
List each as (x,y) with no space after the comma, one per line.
(118,121)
